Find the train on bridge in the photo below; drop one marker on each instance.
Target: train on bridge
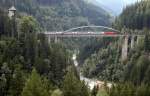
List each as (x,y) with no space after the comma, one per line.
(81,33)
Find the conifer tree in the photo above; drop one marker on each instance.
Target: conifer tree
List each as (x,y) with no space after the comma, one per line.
(94,91)
(72,86)
(3,85)
(17,82)
(34,86)
(84,89)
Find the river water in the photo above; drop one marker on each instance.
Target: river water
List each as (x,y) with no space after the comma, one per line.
(90,82)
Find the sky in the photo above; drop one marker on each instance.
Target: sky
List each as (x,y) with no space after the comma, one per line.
(116,5)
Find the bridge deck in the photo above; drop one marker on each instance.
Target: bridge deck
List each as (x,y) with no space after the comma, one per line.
(86,34)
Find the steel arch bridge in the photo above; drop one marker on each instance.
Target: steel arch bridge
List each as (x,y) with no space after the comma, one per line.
(74,33)
(111,32)
(104,27)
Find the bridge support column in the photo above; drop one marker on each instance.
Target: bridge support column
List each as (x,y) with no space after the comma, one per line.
(138,40)
(132,42)
(56,39)
(125,48)
(49,39)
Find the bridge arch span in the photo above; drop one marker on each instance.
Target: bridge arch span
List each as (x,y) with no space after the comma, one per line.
(81,27)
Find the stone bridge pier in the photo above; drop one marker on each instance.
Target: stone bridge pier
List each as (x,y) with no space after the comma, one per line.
(52,39)
(125,48)
(128,44)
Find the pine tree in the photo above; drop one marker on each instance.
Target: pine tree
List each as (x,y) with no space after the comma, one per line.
(28,29)
(147,41)
(139,70)
(3,85)
(94,91)
(17,82)
(84,89)
(34,86)
(102,93)
(142,90)
(71,85)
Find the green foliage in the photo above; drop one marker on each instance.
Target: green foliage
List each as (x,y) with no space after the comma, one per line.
(127,89)
(84,89)
(90,46)
(58,15)
(135,16)
(66,12)
(72,86)
(17,82)
(5,25)
(102,93)
(28,39)
(3,84)
(94,91)
(28,25)
(143,90)
(138,70)
(104,64)
(147,43)
(19,55)
(57,92)
(141,43)
(34,86)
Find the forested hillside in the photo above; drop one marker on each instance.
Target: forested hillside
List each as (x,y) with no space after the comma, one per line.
(64,14)
(30,66)
(131,76)
(136,16)
(127,21)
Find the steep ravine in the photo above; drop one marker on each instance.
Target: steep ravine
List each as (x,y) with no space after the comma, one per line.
(91,82)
